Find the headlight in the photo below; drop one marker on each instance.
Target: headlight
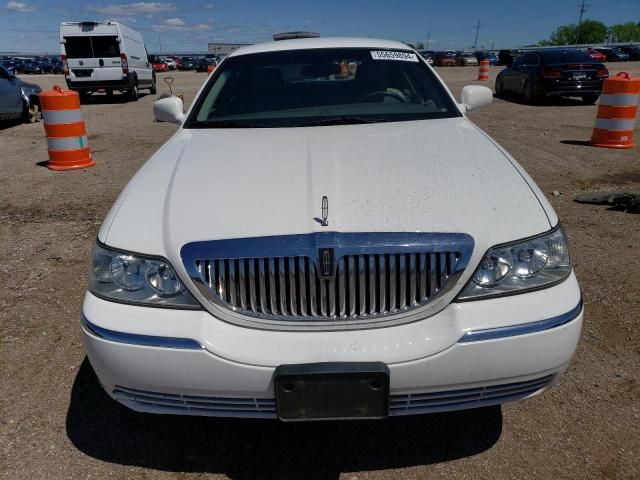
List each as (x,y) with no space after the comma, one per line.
(525,265)
(128,278)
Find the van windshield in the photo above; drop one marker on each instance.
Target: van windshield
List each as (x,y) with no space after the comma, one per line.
(98,46)
(321,87)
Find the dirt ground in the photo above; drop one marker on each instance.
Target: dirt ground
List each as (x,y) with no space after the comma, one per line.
(56,422)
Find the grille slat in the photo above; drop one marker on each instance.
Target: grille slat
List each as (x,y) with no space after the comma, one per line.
(366,285)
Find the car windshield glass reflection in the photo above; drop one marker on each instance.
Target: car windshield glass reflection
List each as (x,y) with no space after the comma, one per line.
(321,87)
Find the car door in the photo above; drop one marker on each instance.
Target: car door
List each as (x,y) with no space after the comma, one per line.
(10,95)
(510,76)
(528,70)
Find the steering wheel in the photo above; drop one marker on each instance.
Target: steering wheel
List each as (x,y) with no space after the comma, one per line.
(383,93)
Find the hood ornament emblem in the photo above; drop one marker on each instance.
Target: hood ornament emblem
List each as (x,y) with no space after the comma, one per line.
(324,221)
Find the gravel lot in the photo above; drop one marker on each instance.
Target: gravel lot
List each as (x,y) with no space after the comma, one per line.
(56,422)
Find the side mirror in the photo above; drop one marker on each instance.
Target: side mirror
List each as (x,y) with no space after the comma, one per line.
(476,96)
(170,109)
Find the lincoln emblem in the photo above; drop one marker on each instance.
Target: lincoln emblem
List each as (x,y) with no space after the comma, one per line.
(325,211)
(325,262)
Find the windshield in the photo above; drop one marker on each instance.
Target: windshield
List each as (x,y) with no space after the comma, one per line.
(569,56)
(320,87)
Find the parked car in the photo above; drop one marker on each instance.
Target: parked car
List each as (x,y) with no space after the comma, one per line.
(614,54)
(18,99)
(171,63)
(633,51)
(596,55)
(427,55)
(186,63)
(158,64)
(31,67)
(553,73)
(202,64)
(492,57)
(45,67)
(328,295)
(506,57)
(466,59)
(445,59)
(105,55)
(57,67)
(9,66)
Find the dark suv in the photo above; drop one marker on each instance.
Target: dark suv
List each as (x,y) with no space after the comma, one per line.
(552,73)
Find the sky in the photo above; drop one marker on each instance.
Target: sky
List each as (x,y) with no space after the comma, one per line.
(30,26)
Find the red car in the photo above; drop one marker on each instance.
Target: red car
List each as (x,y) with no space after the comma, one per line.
(160,67)
(596,55)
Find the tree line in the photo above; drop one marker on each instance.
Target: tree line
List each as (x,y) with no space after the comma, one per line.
(593,31)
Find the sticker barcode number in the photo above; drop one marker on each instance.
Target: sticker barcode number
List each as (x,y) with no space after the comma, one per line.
(391,55)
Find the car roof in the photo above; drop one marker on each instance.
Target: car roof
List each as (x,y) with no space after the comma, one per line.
(319,42)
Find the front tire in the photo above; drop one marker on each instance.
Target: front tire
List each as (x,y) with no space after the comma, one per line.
(499,88)
(528,97)
(153,89)
(30,113)
(590,99)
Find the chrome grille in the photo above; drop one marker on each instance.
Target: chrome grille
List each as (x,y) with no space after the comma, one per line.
(369,278)
(361,285)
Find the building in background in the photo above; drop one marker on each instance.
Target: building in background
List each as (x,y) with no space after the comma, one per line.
(223,48)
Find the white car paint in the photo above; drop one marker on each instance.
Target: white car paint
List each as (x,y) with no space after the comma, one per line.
(419,176)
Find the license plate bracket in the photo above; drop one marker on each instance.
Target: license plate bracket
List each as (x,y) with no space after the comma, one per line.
(332,391)
(579,76)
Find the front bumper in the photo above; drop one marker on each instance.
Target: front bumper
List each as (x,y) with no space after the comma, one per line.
(226,370)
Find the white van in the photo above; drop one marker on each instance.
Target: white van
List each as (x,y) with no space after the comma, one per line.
(105,55)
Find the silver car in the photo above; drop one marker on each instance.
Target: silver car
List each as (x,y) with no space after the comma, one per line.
(18,99)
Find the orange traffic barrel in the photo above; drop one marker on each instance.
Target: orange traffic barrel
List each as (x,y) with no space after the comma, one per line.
(210,68)
(66,133)
(483,73)
(617,112)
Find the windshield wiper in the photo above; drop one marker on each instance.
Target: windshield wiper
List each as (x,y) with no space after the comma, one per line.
(231,124)
(341,121)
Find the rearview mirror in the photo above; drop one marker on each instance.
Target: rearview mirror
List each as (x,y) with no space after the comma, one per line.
(169,109)
(476,96)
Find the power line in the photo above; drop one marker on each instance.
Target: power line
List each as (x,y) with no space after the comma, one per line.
(475,42)
(582,8)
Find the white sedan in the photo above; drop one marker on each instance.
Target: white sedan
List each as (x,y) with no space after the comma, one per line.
(326,236)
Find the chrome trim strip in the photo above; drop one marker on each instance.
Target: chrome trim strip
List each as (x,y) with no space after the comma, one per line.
(141,340)
(523,329)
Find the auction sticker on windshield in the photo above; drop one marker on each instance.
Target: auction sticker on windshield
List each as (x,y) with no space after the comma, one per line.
(388,55)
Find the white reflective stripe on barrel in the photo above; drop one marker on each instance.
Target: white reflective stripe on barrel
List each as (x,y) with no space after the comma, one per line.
(619,100)
(67,143)
(53,117)
(614,124)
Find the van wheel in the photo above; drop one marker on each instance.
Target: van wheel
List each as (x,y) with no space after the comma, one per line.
(153,90)
(132,93)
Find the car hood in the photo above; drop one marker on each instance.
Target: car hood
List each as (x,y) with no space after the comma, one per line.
(30,86)
(422,176)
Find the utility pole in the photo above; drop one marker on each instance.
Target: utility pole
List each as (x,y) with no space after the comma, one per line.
(426,47)
(582,8)
(475,42)
(160,42)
